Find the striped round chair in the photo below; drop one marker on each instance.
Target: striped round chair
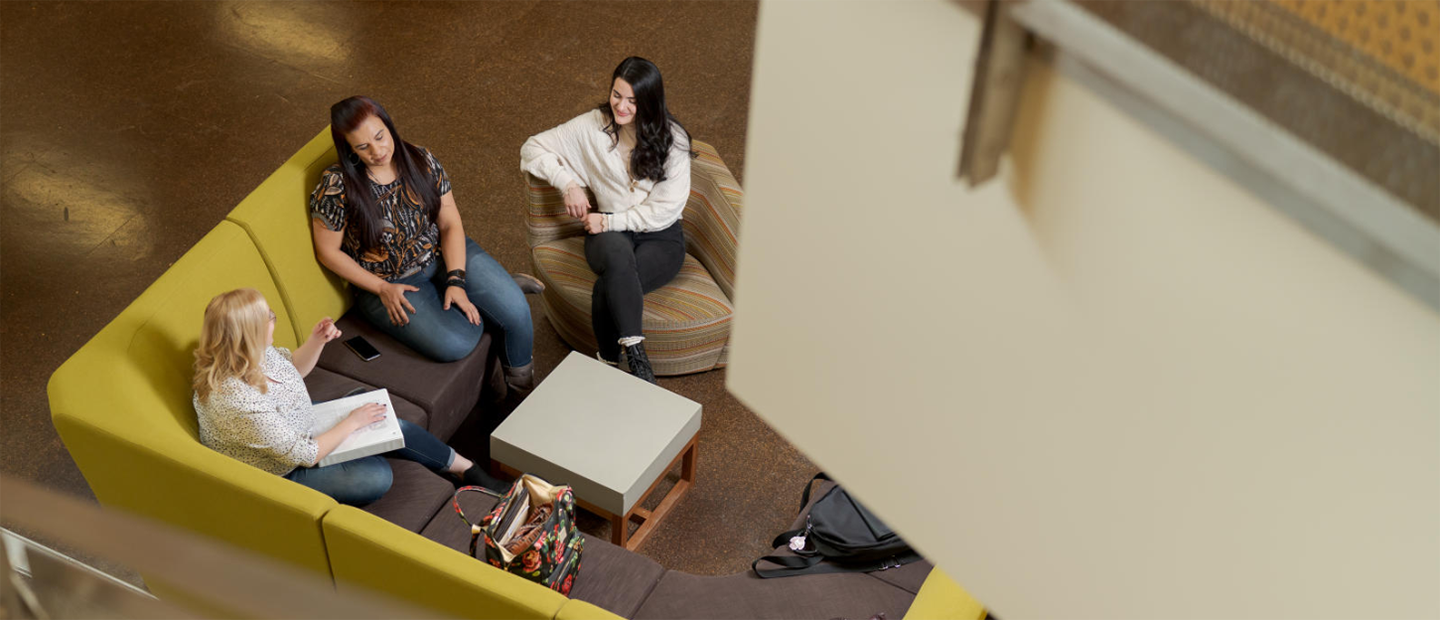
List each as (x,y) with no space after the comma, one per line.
(686,322)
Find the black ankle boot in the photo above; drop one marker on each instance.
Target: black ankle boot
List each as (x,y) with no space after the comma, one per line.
(639,362)
(476,476)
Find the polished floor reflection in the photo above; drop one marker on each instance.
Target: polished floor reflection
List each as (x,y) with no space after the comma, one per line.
(129,129)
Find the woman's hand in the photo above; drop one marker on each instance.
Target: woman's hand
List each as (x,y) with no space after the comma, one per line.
(595,223)
(456,295)
(393,296)
(359,418)
(305,355)
(324,331)
(577,204)
(365,415)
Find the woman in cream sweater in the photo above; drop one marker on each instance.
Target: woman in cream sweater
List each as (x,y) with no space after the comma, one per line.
(635,157)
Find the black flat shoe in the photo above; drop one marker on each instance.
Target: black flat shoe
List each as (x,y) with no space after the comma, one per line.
(476,476)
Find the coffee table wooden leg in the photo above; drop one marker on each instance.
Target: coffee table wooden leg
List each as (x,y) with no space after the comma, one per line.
(649,519)
(687,467)
(619,530)
(502,471)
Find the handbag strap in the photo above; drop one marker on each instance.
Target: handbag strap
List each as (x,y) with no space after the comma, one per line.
(475,529)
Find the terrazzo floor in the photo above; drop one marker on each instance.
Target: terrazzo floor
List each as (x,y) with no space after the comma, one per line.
(129,129)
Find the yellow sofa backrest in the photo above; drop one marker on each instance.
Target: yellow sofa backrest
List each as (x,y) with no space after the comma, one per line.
(122,406)
(276,216)
(940,598)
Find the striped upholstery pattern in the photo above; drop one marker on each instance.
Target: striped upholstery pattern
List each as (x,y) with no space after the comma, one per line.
(712,216)
(686,322)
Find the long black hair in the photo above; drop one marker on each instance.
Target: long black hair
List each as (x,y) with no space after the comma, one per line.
(416,183)
(653,135)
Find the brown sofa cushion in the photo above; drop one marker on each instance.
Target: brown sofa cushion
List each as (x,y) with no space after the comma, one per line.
(447,391)
(324,385)
(610,577)
(743,595)
(448,529)
(414,498)
(615,579)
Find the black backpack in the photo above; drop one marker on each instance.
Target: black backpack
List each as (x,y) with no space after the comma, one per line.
(840,536)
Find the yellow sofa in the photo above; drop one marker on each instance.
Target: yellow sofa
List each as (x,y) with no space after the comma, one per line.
(122,407)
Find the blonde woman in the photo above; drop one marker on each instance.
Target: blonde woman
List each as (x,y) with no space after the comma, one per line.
(252,405)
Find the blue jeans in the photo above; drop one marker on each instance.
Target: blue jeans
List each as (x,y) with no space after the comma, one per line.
(446,335)
(362,481)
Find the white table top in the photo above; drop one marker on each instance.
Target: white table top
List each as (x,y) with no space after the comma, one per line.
(598,429)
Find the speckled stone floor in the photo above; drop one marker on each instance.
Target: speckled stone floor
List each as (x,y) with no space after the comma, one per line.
(129,129)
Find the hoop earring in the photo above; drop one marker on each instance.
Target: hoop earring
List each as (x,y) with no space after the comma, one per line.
(354,159)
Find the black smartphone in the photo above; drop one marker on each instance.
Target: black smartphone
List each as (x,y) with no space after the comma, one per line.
(363,348)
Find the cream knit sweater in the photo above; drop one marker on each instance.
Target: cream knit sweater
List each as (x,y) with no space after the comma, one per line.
(579,152)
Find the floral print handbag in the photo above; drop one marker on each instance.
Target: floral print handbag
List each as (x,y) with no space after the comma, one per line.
(530,532)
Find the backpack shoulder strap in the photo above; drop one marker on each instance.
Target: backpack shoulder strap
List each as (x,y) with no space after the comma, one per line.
(789,565)
(815,565)
(805,497)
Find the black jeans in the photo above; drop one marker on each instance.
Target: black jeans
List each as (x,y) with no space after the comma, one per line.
(629,264)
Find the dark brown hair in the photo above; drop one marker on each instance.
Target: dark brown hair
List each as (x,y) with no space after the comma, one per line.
(653,132)
(417,183)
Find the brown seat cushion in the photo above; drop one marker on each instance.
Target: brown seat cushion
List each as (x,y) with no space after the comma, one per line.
(447,528)
(610,577)
(447,391)
(324,385)
(745,596)
(414,498)
(615,579)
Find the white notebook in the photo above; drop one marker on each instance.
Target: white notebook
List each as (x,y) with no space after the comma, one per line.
(377,438)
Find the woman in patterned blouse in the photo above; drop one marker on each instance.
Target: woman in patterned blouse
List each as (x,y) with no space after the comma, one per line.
(384,219)
(252,405)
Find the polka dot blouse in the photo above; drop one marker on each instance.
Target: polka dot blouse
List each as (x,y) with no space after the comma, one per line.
(270,431)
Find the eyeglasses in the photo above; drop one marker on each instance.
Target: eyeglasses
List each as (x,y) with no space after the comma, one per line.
(272,316)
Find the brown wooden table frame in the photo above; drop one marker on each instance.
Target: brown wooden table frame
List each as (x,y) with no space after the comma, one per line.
(620,525)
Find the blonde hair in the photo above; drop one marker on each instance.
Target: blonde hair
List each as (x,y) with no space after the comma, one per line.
(232,342)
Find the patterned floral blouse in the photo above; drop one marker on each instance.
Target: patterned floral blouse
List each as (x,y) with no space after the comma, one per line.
(408,238)
(270,431)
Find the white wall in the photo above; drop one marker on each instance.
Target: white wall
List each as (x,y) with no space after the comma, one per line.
(1111,384)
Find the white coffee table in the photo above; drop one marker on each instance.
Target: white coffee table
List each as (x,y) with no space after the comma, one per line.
(608,435)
